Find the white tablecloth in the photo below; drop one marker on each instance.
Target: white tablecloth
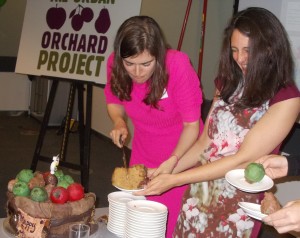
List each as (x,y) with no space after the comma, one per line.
(102,231)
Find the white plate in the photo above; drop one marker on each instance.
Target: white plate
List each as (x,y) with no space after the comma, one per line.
(146,207)
(128,190)
(252,210)
(123,197)
(237,179)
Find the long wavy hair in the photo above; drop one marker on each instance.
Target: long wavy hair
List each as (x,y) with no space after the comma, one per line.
(135,35)
(270,61)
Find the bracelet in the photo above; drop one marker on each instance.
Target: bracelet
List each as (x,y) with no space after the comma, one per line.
(177,159)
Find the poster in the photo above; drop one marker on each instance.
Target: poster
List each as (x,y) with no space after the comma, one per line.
(71,38)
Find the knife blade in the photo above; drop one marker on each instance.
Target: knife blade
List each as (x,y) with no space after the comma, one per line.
(124,156)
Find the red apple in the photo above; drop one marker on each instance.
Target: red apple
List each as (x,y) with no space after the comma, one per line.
(59,195)
(45,175)
(76,191)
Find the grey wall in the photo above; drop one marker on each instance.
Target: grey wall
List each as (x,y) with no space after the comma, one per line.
(11,19)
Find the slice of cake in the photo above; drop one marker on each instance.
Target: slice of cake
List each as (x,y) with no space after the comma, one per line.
(133,178)
(269,204)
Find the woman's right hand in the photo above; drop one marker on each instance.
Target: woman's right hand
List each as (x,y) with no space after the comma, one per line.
(276,166)
(119,134)
(120,131)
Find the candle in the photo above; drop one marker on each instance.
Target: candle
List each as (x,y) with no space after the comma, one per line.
(54,164)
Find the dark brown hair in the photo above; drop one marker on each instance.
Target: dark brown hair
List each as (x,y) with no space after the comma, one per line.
(135,35)
(270,62)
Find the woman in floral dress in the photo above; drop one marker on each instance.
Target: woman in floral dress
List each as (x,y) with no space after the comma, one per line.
(255,106)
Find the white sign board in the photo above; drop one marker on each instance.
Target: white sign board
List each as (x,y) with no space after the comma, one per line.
(71,38)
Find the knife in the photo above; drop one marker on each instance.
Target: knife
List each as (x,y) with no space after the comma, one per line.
(124,156)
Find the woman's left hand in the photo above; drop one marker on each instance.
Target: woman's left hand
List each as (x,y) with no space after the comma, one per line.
(158,185)
(165,167)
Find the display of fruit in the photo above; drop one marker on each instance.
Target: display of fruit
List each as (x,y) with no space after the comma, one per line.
(49,188)
(21,189)
(59,174)
(103,22)
(68,179)
(56,17)
(51,179)
(80,15)
(46,187)
(11,185)
(59,195)
(63,183)
(36,181)
(76,191)
(39,194)
(254,172)
(25,175)
(45,174)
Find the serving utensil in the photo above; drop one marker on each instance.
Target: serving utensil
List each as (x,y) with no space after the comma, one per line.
(124,156)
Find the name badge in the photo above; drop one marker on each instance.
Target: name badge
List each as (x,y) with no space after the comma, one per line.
(165,94)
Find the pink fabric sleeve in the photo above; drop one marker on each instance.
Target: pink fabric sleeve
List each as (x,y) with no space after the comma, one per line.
(185,85)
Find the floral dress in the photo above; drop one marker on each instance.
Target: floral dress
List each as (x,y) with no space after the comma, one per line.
(210,209)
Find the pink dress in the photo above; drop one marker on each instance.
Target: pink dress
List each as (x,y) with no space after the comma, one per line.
(210,209)
(156,132)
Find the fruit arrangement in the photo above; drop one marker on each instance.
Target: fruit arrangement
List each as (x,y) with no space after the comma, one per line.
(46,187)
(254,172)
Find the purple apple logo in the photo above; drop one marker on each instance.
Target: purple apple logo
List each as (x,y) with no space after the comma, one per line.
(56,17)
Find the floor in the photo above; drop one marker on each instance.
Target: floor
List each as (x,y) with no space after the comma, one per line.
(18,137)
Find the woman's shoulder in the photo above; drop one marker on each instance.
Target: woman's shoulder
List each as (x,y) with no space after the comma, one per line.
(176,56)
(110,58)
(288,92)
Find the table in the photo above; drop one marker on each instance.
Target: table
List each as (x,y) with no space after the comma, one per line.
(102,231)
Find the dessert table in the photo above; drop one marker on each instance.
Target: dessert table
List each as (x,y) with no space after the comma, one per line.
(102,231)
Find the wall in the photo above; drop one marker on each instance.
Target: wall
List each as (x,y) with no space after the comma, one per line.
(11,19)
(14,88)
(14,98)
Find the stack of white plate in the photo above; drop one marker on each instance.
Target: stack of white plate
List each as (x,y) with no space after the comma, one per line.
(145,219)
(117,211)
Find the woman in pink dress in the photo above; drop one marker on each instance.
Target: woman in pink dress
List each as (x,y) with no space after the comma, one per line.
(159,90)
(254,108)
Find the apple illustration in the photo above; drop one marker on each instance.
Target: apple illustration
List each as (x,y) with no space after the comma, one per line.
(56,17)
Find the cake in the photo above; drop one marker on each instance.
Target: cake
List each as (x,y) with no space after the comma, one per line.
(134,177)
(269,204)
(27,218)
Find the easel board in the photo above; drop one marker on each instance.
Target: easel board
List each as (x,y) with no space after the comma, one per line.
(71,39)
